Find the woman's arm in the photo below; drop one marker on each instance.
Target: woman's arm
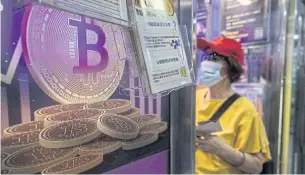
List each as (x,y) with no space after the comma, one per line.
(248,163)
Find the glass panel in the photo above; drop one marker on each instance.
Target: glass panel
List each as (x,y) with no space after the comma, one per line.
(51,57)
(297,137)
(258,25)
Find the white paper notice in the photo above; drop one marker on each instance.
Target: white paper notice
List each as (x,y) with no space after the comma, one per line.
(114,11)
(163,50)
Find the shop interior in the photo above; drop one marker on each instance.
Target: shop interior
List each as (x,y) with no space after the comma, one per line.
(272,33)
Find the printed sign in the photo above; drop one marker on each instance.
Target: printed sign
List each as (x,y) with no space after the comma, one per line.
(114,11)
(202,14)
(164,55)
(245,22)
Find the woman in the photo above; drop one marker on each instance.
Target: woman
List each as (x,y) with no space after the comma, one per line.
(242,145)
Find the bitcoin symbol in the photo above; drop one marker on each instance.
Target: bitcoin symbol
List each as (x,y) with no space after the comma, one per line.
(120,124)
(72,130)
(84,47)
(34,126)
(73,60)
(24,138)
(78,129)
(40,154)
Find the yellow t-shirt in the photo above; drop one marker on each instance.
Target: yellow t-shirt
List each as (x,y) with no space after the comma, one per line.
(242,128)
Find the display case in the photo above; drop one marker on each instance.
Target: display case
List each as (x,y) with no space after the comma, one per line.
(64,103)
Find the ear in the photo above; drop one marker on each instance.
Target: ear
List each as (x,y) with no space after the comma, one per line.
(224,71)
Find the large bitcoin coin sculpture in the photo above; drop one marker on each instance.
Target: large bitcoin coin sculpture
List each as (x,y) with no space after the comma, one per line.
(72,58)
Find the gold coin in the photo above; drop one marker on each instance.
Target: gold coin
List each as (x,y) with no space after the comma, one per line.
(148,3)
(138,3)
(183,72)
(168,7)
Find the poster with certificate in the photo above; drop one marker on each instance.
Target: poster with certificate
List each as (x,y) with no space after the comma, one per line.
(114,11)
(202,15)
(246,21)
(160,46)
(253,91)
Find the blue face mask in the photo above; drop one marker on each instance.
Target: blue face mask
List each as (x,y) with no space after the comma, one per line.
(209,74)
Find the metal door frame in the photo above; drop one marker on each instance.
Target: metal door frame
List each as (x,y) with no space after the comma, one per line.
(182,105)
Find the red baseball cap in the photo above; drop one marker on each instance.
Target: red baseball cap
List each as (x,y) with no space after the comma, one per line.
(223,46)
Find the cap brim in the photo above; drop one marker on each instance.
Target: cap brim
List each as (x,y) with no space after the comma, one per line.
(204,45)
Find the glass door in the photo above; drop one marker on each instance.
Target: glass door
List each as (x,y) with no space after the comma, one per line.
(297,140)
(260,27)
(70,69)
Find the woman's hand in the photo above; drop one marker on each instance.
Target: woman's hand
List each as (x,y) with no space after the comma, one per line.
(210,144)
(214,145)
